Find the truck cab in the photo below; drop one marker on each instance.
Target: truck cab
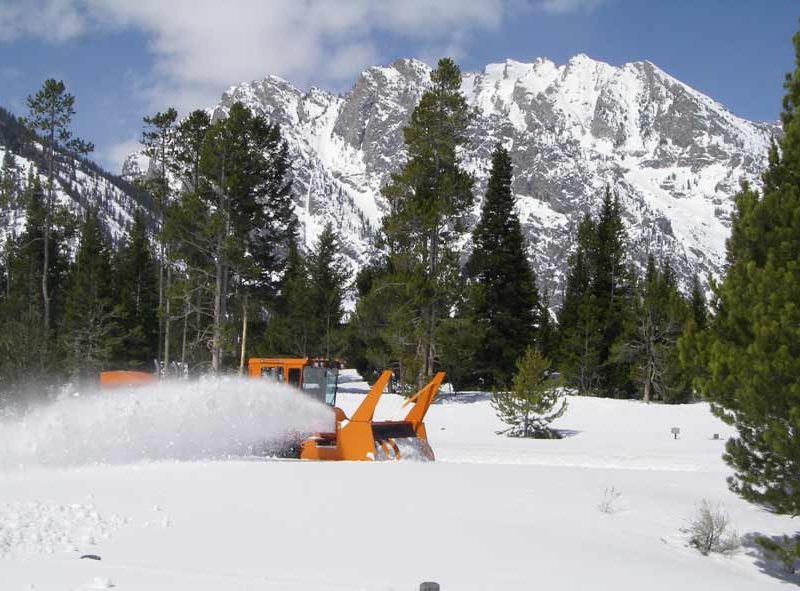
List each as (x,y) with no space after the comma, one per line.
(315,376)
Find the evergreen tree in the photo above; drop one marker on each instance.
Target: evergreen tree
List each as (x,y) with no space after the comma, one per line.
(235,225)
(328,277)
(290,326)
(505,300)
(367,348)
(649,340)
(89,320)
(158,141)
(51,111)
(698,303)
(5,251)
(753,349)
(9,189)
(534,400)
(188,147)
(26,346)
(611,286)
(579,328)
(137,297)
(429,201)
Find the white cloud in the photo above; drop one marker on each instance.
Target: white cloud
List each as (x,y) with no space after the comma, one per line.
(51,20)
(200,47)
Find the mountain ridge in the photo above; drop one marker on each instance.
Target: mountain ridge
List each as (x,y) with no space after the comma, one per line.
(674,155)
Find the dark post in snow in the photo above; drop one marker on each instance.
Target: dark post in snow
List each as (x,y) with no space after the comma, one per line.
(428,586)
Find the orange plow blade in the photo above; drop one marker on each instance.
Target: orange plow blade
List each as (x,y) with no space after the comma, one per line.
(361,438)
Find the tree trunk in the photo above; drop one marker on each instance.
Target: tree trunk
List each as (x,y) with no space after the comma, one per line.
(244,338)
(47,222)
(185,329)
(167,323)
(433,253)
(216,338)
(160,301)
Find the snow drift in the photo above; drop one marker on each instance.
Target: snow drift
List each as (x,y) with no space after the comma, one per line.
(208,419)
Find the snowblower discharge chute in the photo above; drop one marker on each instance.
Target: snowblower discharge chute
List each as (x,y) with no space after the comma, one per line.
(361,438)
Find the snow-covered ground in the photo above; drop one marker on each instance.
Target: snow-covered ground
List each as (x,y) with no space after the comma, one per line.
(491,513)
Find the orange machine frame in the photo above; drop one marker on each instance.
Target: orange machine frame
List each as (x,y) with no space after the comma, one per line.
(360,437)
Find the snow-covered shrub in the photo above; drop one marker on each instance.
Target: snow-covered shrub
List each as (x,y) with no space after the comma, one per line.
(711,531)
(534,401)
(786,550)
(608,504)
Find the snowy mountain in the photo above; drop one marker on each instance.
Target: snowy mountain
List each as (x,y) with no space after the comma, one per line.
(674,155)
(79,183)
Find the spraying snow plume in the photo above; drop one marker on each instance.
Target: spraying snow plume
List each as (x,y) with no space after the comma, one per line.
(206,419)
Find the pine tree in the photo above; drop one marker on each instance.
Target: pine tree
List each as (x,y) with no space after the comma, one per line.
(51,111)
(611,286)
(9,189)
(649,340)
(328,277)
(698,303)
(190,134)
(579,328)
(158,141)
(505,300)
(534,400)
(290,326)
(236,224)
(90,320)
(137,297)
(5,251)
(429,200)
(753,349)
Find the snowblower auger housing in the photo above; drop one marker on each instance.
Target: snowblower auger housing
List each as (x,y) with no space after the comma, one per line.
(361,438)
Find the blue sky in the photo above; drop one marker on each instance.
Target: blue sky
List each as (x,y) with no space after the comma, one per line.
(124,59)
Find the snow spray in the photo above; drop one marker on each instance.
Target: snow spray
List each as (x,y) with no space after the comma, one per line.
(211,418)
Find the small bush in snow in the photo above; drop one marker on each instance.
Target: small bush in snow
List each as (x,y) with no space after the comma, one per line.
(609,502)
(535,400)
(710,530)
(786,550)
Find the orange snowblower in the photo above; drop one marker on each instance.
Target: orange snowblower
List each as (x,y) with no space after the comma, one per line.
(361,438)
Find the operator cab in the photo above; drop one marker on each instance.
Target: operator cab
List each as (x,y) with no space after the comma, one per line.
(316,377)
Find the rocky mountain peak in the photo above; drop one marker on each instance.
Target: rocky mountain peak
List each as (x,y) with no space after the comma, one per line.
(674,155)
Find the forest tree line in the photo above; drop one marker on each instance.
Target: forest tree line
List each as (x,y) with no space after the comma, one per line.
(218,251)
(213,272)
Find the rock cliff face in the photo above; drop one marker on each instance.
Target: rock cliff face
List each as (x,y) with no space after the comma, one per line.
(674,156)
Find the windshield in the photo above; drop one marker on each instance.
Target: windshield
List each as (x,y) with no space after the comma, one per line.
(321,382)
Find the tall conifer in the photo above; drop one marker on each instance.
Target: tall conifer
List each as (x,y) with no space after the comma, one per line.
(753,350)
(327,283)
(429,200)
(579,327)
(504,298)
(136,288)
(89,319)
(51,111)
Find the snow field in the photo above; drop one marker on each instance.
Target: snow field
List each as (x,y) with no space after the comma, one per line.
(491,513)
